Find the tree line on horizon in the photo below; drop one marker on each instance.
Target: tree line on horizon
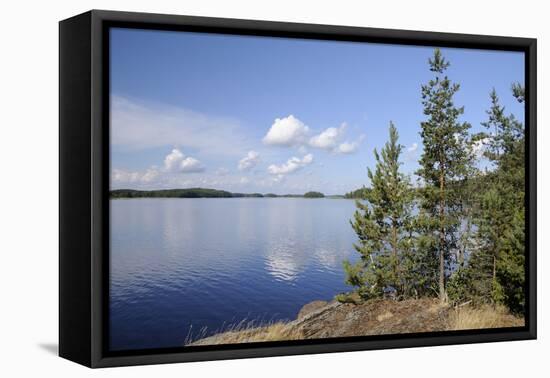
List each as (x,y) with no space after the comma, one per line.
(205,193)
(459,234)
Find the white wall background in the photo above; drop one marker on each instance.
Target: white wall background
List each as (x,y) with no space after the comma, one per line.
(29,186)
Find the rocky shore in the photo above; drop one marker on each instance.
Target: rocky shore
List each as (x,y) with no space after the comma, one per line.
(320,319)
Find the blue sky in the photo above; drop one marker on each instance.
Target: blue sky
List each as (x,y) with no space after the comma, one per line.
(256,114)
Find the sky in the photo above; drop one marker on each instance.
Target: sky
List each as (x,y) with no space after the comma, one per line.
(276,115)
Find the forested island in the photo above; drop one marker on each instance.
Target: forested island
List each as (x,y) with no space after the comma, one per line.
(206,193)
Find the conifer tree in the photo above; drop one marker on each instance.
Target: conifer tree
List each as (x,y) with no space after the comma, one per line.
(496,268)
(445,165)
(518,91)
(382,224)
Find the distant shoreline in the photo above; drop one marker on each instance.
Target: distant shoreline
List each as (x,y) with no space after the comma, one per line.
(243,197)
(209,193)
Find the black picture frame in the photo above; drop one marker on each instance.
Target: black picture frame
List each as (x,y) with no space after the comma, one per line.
(84,186)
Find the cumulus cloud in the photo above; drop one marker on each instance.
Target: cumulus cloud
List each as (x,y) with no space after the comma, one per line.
(292,165)
(480,146)
(173,160)
(190,164)
(176,162)
(120,176)
(411,152)
(328,139)
(288,131)
(249,161)
(291,132)
(349,147)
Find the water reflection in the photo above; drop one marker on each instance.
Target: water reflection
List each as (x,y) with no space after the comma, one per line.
(177,263)
(283,263)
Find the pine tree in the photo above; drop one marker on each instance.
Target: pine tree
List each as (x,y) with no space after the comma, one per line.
(518,91)
(445,165)
(495,270)
(501,214)
(382,224)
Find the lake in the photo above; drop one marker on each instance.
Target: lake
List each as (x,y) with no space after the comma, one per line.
(181,268)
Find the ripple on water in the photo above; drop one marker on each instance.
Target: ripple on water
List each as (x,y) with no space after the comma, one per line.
(210,263)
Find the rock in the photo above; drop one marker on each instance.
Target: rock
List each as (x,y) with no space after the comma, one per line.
(384,316)
(311,307)
(321,319)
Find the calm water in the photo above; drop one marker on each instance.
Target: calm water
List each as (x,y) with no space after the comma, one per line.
(179,265)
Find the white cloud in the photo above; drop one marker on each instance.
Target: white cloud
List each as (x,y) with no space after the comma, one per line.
(137,125)
(249,161)
(480,146)
(292,165)
(288,131)
(221,171)
(349,147)
(291,132)
(308,159)
(120,176)
(190,164)
(277,178)
(411,152)
(150,175)
(329,138)
(175,162)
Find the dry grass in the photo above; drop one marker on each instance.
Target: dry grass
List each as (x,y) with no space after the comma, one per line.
(373,318)
(483,317)
(273,332)
(249,332)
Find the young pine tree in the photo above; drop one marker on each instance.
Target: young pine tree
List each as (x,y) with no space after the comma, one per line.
(500,217)
(445,165)
(382,224)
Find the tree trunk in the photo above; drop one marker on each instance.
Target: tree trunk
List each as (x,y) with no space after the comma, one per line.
(442,232)
(395,262)
(494,281)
